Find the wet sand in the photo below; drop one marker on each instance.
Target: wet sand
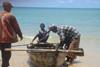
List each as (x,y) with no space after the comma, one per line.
(91,59)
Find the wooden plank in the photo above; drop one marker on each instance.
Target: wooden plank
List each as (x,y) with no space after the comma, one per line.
(43,50)
(74,51)
(33,50)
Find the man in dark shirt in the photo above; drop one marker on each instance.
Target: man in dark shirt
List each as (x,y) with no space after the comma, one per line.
(42,35)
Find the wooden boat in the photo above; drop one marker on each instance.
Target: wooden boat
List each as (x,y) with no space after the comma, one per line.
(47,56)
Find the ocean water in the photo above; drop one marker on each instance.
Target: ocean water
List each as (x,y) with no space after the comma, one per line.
(86,21)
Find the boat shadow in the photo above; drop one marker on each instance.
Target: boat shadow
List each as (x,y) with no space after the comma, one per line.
(74,62)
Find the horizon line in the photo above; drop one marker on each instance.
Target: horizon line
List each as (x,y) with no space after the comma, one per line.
(57,7)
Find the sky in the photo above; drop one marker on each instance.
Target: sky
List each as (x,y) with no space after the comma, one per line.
(56,3)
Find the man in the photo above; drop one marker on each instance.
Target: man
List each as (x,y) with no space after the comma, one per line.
(9,29)
(42,35)
(66,34)
(69,37)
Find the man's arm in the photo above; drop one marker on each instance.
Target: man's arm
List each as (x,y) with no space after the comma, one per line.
(16,27)
(34,38)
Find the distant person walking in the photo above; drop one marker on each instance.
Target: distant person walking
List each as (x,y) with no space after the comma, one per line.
(9,29)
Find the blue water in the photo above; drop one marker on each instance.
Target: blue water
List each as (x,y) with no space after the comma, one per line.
(87,21)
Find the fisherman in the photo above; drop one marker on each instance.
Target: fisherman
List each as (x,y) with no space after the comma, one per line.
(68,35)
(9,30)
(42,35)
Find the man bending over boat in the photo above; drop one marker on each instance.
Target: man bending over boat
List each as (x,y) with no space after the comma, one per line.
(69,39)
(42,35)
(66,34)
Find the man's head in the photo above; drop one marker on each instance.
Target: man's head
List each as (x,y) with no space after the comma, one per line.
(7,6)
(42,25)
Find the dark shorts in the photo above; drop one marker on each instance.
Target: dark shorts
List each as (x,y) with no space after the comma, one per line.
(6,55)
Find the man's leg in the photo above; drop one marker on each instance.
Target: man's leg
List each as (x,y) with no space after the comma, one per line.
(6,55)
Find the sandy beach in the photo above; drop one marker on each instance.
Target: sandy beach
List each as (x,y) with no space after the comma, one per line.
(91,58)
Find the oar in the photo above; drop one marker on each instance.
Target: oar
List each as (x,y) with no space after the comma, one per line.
(43,50)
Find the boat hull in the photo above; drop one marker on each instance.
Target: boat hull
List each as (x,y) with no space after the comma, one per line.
(47,59)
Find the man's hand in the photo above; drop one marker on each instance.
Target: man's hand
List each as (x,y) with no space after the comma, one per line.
(21,38)
(31,43)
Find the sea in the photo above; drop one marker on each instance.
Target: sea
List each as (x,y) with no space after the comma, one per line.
(85,20)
